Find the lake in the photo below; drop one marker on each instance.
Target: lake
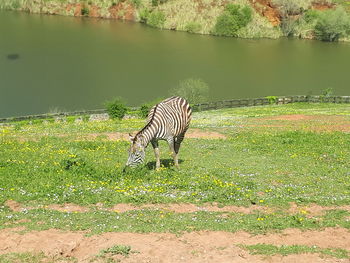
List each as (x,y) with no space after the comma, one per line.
(54,63)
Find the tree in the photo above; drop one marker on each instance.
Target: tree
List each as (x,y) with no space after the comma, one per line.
(194,90)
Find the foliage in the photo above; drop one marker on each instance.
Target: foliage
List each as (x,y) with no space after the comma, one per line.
(143,15)
(326,93)
(234,18)
(116,108)
(115,250)
(194,90)
(28,257)
(155,19)
(157,2)
(332,24)
(146,107)
(193,27)
(289,7)
(272,99)
(85,11)
(136,3)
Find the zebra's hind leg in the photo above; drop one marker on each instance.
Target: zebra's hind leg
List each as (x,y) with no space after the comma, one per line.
(171,142)
(177,143)
(156,152)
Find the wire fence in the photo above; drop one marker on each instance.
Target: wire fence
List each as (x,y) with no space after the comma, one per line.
(271,100)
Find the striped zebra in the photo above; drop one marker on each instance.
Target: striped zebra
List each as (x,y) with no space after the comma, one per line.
(169,121)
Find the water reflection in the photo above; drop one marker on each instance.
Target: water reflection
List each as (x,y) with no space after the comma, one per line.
(78,63)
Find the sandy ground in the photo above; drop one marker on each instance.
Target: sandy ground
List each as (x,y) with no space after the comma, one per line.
(311,210)
(166,247)
(204,246)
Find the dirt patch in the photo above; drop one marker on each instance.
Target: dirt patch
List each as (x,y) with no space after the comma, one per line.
(323,5)
(310,210)
(268,10)
(13,205)
(314,209)
(17,207)
(122,10)
(291,117)
(317,123)
(68,208)
(76,7)
(94,11)
(159,247)
(199,134)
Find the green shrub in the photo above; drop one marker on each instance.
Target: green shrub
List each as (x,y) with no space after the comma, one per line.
(156,19)
(116,109)
(85,11)
(193,27)
(288,8)
(194,90)
(157,2)
(326,93)
(272,99)
(332,25)
(234,18)
(136,3)
(144,14)
(146,107)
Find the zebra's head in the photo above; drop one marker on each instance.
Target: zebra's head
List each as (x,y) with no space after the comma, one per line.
(136,151)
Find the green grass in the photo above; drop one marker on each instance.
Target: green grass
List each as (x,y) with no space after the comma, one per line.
(268,167)
(116,250)
(285,250)
(33,258)
(285,165)
(159,221)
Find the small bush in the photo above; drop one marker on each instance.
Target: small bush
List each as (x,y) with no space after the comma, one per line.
(144,14)
(194,90)
(288,8)
(234,18)
(85,11)
(156,19)
(116,109)
(146,107)
(272,99)
(157,2)
(332,25)
(136,3)
(193,27)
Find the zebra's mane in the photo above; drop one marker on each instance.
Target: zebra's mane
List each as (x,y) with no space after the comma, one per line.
(148,124)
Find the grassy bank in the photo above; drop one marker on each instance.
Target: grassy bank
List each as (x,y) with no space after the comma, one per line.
(264,18)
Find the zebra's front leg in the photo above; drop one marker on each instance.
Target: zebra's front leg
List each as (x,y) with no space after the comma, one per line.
(171,143)
(156,152)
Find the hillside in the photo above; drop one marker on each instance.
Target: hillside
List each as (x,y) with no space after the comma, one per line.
(252,19)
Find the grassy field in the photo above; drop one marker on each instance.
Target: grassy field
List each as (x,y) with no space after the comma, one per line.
(266,159)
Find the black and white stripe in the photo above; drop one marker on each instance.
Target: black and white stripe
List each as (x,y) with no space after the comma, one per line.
(168,120)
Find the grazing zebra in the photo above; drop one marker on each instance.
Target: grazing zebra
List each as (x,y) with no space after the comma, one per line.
(168,120)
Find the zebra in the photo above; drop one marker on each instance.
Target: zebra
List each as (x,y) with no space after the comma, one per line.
(169,121)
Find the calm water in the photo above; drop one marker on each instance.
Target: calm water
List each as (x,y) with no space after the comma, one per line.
(51,62)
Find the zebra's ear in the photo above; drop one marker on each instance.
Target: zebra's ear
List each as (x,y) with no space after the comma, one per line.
(131,138)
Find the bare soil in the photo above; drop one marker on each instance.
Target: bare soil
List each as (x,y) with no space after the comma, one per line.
(268,10)
(317,123)
(310,210)
(166,247)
